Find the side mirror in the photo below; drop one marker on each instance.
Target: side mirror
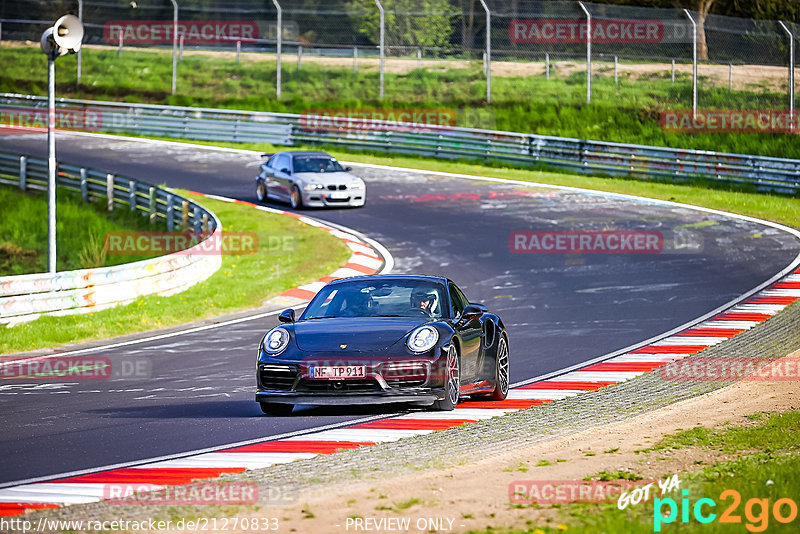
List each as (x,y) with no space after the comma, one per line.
(286,316)
(348,169)
(472,311)
(286,171)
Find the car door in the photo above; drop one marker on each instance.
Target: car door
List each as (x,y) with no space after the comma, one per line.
(283,175)
(268,175)
(469,329)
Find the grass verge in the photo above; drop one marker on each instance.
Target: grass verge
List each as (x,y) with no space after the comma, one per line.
(80,231)
(628,111)
(754,490)
(242,282)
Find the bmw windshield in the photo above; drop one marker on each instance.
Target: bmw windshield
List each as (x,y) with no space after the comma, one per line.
(364,298)
(316,164)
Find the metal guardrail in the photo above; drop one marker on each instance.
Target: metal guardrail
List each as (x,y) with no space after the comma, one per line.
(576,155)
(26,297)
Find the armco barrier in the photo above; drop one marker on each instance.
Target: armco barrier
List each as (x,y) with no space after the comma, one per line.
(26,297)
(576,155)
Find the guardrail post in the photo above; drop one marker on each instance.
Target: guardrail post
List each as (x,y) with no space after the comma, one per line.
(299,57)
(84,186)
(152,206)
(110,191)
(279,43)
(205,223)
(170,212)
(185,216)
(196,222)
(382,43)
(132,194)
(23,172)
(588,53)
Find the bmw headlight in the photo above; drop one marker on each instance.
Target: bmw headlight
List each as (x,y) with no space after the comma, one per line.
(276,340)
(313,187)
(422,339)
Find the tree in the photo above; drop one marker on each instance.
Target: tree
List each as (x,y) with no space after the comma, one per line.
(408,22)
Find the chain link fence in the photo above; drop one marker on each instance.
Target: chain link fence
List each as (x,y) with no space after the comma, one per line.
(473,48)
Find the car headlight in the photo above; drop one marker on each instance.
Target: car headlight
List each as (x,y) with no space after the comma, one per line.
(422,339)
(313,187)
(276,340)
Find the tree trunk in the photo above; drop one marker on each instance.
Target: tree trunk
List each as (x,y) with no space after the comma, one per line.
(703,8)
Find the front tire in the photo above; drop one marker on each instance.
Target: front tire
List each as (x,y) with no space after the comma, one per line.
(276,409)
(261,191)
(501,371)
(452,385)
(296,198)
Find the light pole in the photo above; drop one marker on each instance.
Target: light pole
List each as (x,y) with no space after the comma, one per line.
(63,38)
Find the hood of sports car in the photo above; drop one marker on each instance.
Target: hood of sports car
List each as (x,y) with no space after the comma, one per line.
(359,334)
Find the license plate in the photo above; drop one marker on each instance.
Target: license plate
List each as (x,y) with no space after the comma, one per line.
(336,372)
(339,195)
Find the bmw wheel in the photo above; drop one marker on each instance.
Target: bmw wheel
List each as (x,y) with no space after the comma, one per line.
(501,371)
(261,191)
(452,385)
(273,408)
(296,198)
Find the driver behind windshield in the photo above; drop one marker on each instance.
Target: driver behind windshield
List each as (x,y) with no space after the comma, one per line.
(425,299)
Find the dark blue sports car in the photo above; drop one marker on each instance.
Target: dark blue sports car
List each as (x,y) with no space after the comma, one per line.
(382,339)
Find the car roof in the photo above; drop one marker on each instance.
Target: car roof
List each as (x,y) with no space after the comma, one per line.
(393,278)
(306,153)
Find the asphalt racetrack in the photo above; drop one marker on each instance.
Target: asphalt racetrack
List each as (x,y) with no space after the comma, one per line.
(560,309)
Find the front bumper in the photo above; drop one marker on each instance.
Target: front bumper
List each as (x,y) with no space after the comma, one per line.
(289,383)
(323,199)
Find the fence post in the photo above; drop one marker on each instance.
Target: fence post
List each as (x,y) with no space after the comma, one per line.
(1,36)
(673,71)
(382,43)
(132,194)
(119,50)
(170,213)
(488,51)
(355,59)
(80,51)
(153,206)
(196,222)
(419,58)
(694,63)
(299,57)
(238,51)
(547,65)
(110,191)
(23,172)
(588,53)
(791,70)
(278,48)
(84,186)
(174,44)
(730,76)
(205,223)
(180,48)
(616,66)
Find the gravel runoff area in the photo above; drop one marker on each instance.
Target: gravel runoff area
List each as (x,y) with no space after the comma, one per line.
(303,479)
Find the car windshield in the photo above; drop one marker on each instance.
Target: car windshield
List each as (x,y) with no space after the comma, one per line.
(316,164)
(370,298)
